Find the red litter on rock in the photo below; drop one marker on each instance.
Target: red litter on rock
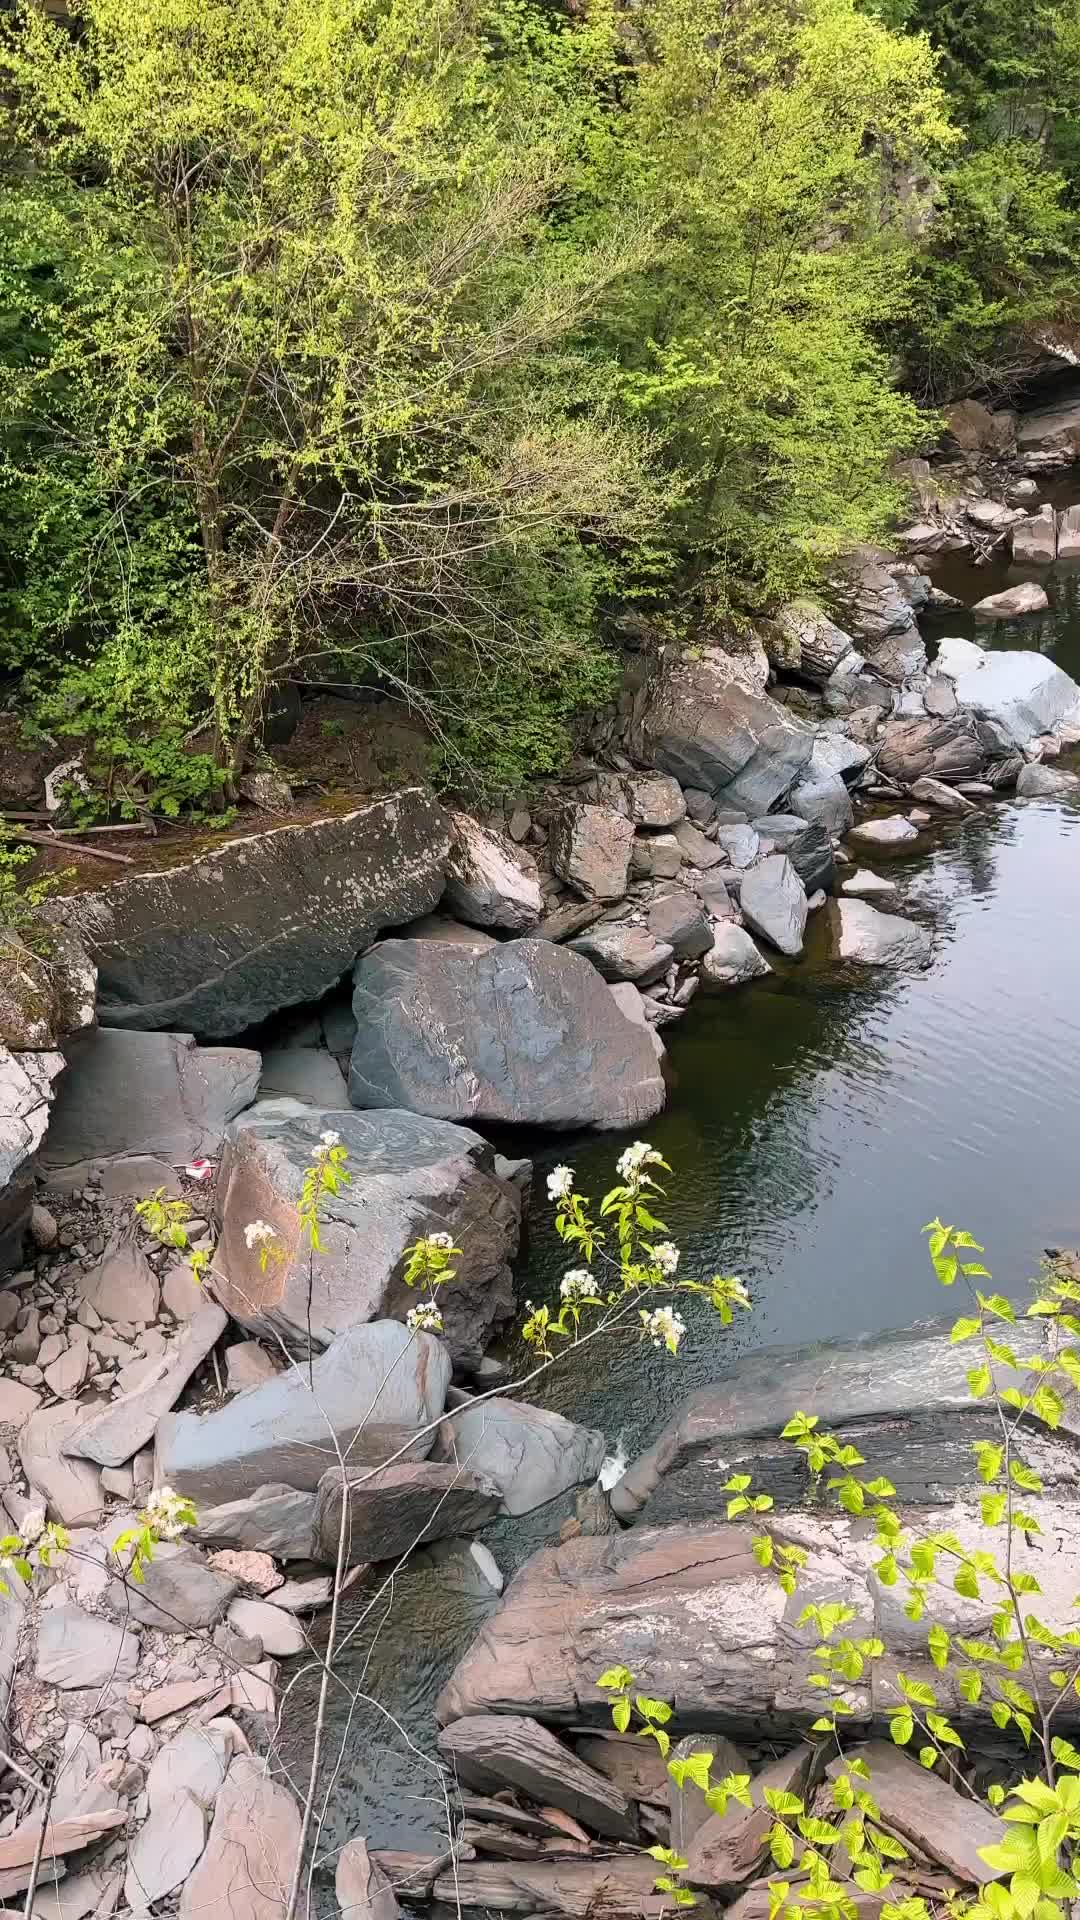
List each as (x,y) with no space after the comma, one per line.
(199,1169)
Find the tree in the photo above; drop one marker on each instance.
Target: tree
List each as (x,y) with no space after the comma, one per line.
(303,384)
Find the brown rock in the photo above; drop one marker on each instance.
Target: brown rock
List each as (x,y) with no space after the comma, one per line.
(580,1889)
(67,1374)
(689,1809)
(247,1868)
(637,1767)
(162,1701)
(728,1847)
(252,1569)
(590,850)
(489,1751)
(947,750)
(922,1807)
(16,1404)
(124,1287)
(247,1365)
(363,1889)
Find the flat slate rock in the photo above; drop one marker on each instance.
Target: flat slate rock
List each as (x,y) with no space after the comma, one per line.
(398,1508)
(80,1649)
(892,831)
(922,1807)
(375,1386)
(622,1883)
(147,1094)
(179,1590)
(728,1847)
(493,1751)
(254,940)
(119,1431)
(247,1868)
(274,1518)
(773,902)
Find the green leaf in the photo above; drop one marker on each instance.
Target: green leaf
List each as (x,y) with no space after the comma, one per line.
(901,1726)
(963,1329)
(781,1846)
(620,1714)
(980,1381)
(780,1802)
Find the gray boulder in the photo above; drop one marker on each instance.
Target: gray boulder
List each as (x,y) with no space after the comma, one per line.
(696,721)
(696,849)
(676,916)
(655,856)
(26,1089)
(825,802)
(253,939)
(303,1073)
(623,952)
(1034,540)
(79,1649)
(372,1391)
(803,640)
(1037,781)
(272,1519)
(527,1033)
(529,1454)
(179,1590)
(1013,602)
(732,958)
(948,750)
(773,902)
(836,752)
(859,932)
(653,799)
(590,849)
(147,1093)
(807,845)
(632,1004)
(741,844)
(1022,693)
(395,1509)
(411,1175)
(489,881)
(1051,431)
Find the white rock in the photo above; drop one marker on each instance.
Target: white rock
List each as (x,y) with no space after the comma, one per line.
(863,885)
(280,1632)
(733,957)
(489,881)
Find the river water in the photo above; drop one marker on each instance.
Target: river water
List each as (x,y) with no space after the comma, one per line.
(816,1121)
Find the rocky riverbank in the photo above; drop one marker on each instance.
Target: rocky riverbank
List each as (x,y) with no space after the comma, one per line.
(400,974)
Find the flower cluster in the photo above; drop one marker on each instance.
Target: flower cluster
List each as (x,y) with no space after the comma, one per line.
(578,1284)
(257,1231)
(168,1514)
(559,1183)
(663,1327)
(665,1255)
(631,1164)
(443,1240)
(327,1142)
(425,1318)
(37,1536)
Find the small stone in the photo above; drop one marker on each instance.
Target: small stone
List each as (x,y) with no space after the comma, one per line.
(118,1480)
(141,1744)
(26,1342)
(17,1402)
(43,1228)
(9,1310)
(67,1374)
(280,1632)
(238,1649)
(252,1569)
(892,831)
(29,1376)
(247,1365)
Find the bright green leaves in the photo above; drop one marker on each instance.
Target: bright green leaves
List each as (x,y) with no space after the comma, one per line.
(743,1501)
(694,1767)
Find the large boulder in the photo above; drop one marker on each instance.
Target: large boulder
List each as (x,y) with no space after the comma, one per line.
(1034,540)
(860,932)
(675,915)
(26,1089)
(526,1033)
(945,749)
(773,902)
(700,724)
(44,996)
(802,639)
(489,1752)
(250,1858)
(139,1093)
(1022,693)
(901,1397)
(874,604)
(264,921)
(590,849)
(529,1453)
(1052,430)
(701,1624)
(394,1509)
(974,429)
(1045,783)
(825,802)
(489,881)
(410,1175)
(807,845)
(375,1390)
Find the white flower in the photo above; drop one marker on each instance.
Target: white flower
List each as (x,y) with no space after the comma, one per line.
(630,1163)
(664,1328)
(257,1230)
(559,1183)
(163,1513)
(578,1284)
(666,1256)
(33,1525)
(425,1318)
(330,1139)
(440,1239)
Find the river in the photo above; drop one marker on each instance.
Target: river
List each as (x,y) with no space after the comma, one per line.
(816,1121)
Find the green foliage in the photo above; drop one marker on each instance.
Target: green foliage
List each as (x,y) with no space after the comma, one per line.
(21,898)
